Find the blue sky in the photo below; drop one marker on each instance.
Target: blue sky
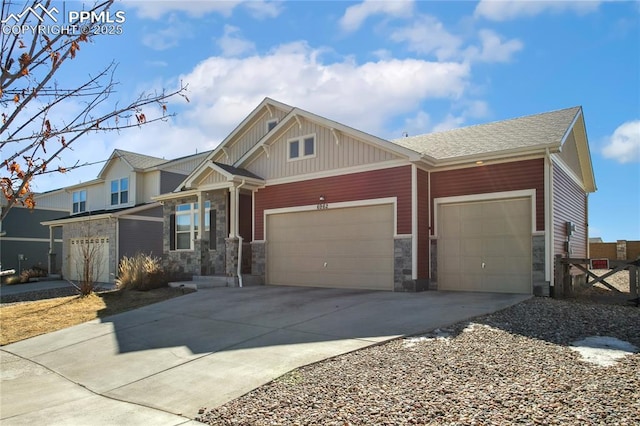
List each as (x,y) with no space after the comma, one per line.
(383,67)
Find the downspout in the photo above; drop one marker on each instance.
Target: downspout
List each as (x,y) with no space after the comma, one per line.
(237,219)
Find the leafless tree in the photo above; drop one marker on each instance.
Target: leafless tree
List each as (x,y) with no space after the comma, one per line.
(32,134)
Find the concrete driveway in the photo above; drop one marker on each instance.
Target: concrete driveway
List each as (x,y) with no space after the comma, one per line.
(161,363)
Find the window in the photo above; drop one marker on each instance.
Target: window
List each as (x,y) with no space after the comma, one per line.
(271,124)
(79,201)
(187,224)
(303,147)
(119,191)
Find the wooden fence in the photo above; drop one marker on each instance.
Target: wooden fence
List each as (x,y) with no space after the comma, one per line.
(565,283)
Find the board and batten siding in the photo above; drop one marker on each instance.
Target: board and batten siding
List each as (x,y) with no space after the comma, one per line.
(329,155)
(246,139)
(423,224)
(569,154)
(210,178)
(569,205)
(520,175)
(393,182)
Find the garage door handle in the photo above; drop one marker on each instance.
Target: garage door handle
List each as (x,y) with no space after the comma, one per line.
(483,265)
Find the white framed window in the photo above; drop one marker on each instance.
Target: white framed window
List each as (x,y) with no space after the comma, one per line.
(79,201)
(187,224)
(271,124)
(302,147)
(120,191)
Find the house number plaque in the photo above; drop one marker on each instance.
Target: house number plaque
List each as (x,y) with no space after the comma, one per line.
(323,206)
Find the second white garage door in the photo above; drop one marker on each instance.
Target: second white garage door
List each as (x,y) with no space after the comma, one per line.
(485,246)
(345,248)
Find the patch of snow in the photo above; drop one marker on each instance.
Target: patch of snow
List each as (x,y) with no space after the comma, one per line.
(436,334)
(603,350)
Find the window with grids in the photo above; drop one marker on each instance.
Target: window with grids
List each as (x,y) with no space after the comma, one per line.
(120,191)
(304,147)
(79,201)
(186,226)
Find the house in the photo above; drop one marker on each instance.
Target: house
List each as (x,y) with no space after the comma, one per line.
(297,199)
(114,215)
(24,243)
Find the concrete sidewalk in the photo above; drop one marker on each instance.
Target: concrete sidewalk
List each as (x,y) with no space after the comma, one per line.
(160,364)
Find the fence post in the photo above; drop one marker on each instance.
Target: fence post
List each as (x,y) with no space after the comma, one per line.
(633,281)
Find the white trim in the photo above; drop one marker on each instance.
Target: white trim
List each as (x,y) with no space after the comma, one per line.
(488,196)
(339,172)
(30,240)
(414,222)
(557,160)
(253,214)
(488,161)
(341,205)
(301,147)
(402,236)
(142,218)
(548,224)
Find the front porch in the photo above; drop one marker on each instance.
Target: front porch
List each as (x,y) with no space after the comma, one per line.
(208,231)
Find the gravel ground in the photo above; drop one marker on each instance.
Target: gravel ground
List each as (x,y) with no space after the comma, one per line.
(510,367)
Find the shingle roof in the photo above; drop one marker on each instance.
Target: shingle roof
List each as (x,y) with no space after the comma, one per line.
(525,132)
(237,171)
(139,161)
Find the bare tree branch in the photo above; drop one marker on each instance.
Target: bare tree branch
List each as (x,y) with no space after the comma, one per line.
(32,134)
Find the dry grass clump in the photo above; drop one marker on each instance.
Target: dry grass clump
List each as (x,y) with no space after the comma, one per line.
(140,272)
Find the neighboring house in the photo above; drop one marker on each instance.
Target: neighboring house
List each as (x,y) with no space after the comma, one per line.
(482,208)
(114,215)
(24,243)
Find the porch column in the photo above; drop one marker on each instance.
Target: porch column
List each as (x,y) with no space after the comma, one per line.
(201,216)
(52,252)
(233,212)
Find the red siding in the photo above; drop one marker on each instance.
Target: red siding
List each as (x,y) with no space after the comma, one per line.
(569,205)
(514,176)
(394,182)
(245,217)
(423,224)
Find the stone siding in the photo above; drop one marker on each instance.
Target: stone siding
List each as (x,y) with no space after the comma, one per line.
(258,259)
(540,286)
(402,265)
(207,257)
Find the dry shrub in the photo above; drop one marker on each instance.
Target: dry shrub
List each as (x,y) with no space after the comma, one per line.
(140,272)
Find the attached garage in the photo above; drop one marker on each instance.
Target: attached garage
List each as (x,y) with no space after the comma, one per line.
(342,247)
(96,252)
(485,246)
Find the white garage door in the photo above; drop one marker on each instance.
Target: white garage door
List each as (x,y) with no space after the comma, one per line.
(346,247)
(91,253)
(485,246)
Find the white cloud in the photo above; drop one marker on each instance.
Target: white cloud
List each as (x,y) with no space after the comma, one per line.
(504,10)
(416,125)
(232,44)
(355,15)
(169,36)
(450,122)
(493,49)
(427,35)
(365,96)
(154,9)
(624,145)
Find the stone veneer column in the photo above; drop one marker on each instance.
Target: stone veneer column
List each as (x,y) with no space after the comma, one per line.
(402,265)
(232,256)
(433,283)
(621,250)
(258,259)
(538,259)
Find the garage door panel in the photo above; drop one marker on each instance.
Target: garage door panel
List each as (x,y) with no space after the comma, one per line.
(350,247)
(498,258)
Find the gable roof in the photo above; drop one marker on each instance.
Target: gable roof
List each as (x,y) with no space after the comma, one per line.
(134,160)
(540,130)
(296,113)
(237,171)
